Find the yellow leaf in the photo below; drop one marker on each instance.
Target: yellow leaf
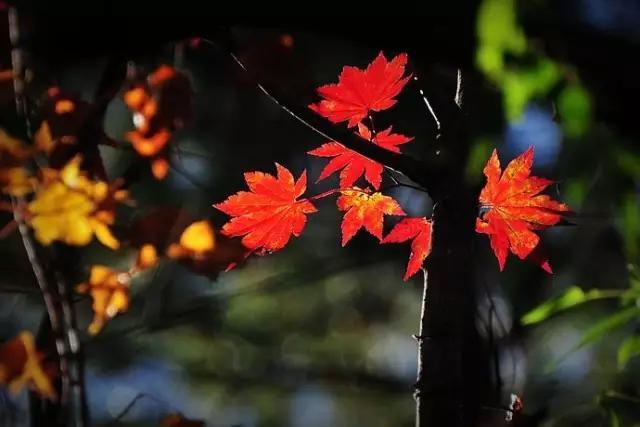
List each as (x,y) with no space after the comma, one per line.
(16,181)
(20,366)
(43,139)
(109,290)
(198,237)
(148,257)
(71,208)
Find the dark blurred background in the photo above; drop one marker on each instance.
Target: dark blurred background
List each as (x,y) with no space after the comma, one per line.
(317,335)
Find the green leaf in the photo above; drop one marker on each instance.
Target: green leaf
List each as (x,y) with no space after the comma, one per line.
(628,349)
(478,155)
(574,109)
(498,34)
(630,225)
(603,326)
(614,420)
(570,298)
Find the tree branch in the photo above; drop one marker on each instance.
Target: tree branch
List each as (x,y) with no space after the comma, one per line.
(49,300)
(422,172)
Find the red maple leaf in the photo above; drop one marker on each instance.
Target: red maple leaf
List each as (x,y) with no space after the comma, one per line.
(419,231)
(513,208)
(270,212)
(365,210)
(360,91)
(353,164)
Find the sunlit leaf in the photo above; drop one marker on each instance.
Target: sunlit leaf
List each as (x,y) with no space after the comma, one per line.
(353,165)
(513,208)
(71,208)
(365,210)
(360,91)
(270,213)
(418,230)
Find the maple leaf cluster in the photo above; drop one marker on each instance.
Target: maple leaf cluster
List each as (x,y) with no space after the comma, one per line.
(273,209)
(266,217)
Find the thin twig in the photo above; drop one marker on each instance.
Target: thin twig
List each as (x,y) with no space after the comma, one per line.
(133,402)
(48,297)
(428,105)
(459,94)
(422,172)
(420,338)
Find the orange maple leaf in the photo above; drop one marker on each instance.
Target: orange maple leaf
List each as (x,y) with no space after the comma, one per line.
(270,212)
(419,231)
(354,164)
(365,210)
(513,208)
(20,365)
(360,91)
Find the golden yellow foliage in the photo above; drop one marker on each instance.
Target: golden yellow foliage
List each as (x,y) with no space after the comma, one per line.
(109,290)
(20,366)
(71,208)
(16,181)
(196,241)
(147,257)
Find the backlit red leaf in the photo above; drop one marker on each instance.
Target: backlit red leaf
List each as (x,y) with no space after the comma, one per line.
(360,91)
(270,212)
(418,230)
(365,210)
(353,165)
(513,208)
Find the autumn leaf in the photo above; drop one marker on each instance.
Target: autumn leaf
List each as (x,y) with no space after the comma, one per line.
(513,208)
(109,290)
(360,91)
(365,210)
(418,230)
(71,208)
(196,241)
(16,181)
(352,164)
(270,213)
(160,105)
(179,420)
(44,140)
(20,366)
(12,150)
(147,257)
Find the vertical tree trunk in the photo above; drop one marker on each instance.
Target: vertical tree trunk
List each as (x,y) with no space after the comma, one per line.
(453,375)
(452,380)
